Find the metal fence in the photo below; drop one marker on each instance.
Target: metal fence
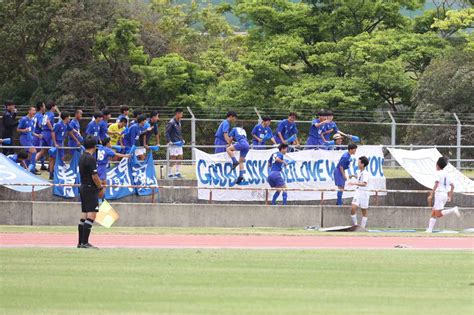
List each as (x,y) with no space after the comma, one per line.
(452,134)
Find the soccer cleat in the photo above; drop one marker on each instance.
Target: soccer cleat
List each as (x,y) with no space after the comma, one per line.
(234,165)
(36,172)
(44,168)
(178,175)
(456,211)
(239,180)
(428,231)
(79,245)
(89,245)
(51,176)
(171,176)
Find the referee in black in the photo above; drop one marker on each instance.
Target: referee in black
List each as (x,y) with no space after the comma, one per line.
(91,190)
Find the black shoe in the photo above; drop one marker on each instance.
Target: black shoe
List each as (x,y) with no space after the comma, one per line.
(234,165)
(44,168)
(51,176)
(79,245)
(36,172)
(89,245)
(239,180)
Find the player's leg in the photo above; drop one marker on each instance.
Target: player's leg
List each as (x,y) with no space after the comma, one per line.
(231,152)
(179,157)
(354,207)
(284,195)
(340,183)
(276,195)
(243,148)
(172,162)
(454,210)
(439,202)
(363,221)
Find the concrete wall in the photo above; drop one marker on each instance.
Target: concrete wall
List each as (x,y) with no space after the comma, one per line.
(216,215)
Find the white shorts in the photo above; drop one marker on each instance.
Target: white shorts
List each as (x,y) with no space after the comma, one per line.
(440,200)
(175,150)
(361,200)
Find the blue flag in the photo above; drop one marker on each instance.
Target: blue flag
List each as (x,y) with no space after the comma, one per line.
(119,175)
(65,173)
(143,173)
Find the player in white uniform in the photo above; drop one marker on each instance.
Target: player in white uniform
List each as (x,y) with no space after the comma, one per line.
(361,197)
(443,192)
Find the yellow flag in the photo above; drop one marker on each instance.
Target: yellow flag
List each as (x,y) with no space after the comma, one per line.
(106,215)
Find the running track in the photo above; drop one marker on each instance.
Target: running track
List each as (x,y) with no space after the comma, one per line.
(235,241)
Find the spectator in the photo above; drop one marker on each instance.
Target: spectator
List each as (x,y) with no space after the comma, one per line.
(261,133)
(152,129)
(61,130)
(47,128)
(93,128)
(174,138)
(222,139)
(123,114)
(9,124)
(115,131)
(287,130)
(26,130)
(104,124)
(75,137)
(38,119)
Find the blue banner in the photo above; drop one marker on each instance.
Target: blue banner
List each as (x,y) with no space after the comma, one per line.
(119,175)
(143,173)
(12,173)
(65,173)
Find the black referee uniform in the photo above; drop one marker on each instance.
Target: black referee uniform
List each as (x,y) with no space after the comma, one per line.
(89,197)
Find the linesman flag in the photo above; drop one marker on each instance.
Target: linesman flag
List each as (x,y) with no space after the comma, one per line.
(106,215)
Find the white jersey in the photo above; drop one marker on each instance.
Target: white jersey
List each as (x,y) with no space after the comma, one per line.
(363,178)
(361,196)
(444,182)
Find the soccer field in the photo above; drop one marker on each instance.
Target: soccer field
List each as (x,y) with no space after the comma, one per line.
(171,281)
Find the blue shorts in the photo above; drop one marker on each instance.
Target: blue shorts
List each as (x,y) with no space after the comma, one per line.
(222,143)
(47,140)
(338,178)
(26,141)
(242,147)
(313,142)
(36,142)
(102,171)
(275,179)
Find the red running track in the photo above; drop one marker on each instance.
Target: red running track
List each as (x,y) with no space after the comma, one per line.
(235,241)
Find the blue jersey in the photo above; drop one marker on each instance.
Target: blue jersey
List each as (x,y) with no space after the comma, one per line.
(103,127)
(238,134)
(153,131)
(287,129)
(103,156)
(261,132)
(345,161)
(48,116)
(75,127)
(315,131)
(93,129)
(133,135)
(276,166)
(224,127)
(328,126)
(26,123)
(37,122)
(123,116)
(60,130)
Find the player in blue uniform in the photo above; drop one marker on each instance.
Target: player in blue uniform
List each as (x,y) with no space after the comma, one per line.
(340,176)
(240,136)
(329,127)
(132,137)
(75,138)
(93,128)
(47,127)
(123,114)
(222,138)
(275,178)
(261,133)
(38,119)
(26,128)
(287,130)
(104,124)
(315,137)
(104,154)
(61,130)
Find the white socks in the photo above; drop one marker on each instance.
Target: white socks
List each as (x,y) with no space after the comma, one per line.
(363,222)
(177,168)
(431,225)
(448,211)
(354,219)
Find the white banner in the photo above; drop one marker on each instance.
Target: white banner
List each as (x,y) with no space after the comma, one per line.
(421,165)
(313,170)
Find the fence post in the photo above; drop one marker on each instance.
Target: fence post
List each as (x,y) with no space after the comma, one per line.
(193,133)
(167,162)
(258,114)
(393,140)
(458,142)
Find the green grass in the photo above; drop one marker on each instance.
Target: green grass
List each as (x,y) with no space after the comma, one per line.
(207,231)
(71,281)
